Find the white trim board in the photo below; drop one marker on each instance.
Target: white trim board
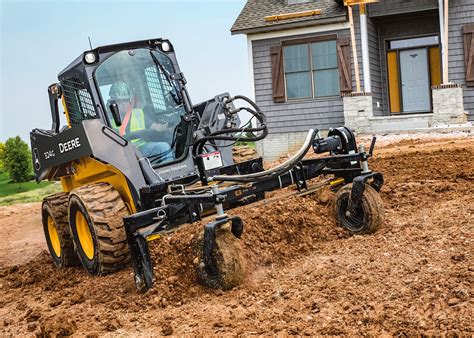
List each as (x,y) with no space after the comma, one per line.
(298,31)
(250,64)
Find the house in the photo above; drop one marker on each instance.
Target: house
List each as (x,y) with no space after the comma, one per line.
(304,75)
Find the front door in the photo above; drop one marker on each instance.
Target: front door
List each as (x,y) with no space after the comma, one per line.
(415,80)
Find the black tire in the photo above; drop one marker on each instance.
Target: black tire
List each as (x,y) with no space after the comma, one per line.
(98,210)
(228,268)
(368,217)
(56,230)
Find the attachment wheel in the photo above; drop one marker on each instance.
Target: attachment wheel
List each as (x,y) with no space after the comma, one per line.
(226,269)
(367,218)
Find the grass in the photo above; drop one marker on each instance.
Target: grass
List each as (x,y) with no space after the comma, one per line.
(12,193)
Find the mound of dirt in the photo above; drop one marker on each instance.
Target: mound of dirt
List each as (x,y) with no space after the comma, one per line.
(305,275)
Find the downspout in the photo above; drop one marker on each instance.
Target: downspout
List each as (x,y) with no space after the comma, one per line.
(364,37)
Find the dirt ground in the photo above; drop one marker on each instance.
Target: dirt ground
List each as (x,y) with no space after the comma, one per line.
(305,275)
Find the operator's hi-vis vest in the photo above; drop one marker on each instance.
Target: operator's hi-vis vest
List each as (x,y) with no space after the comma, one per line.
(136,121)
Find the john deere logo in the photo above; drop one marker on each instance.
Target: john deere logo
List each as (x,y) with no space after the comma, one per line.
(36,160)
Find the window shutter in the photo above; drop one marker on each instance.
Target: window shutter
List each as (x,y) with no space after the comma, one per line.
(468,32)
(344,62)
(278,81)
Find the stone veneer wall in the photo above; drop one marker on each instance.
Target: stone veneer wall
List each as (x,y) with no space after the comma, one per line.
(448,105)
(358,109)
(278,145)
(448,108)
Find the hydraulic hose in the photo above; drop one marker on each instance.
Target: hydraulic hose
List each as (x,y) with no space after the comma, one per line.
(276,171)
(219,135)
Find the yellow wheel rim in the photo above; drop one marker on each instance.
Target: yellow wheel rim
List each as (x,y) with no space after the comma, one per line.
(54,237)
(84,234)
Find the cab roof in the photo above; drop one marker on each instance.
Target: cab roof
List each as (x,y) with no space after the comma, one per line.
(79,61)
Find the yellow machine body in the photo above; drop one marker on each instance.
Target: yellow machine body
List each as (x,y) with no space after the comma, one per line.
(89,171)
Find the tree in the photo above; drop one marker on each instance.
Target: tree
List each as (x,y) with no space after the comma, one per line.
(2,154)
(17,160)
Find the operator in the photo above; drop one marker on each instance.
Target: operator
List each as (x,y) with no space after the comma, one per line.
(135,119)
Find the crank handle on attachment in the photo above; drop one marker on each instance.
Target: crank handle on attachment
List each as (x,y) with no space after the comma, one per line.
(372,146)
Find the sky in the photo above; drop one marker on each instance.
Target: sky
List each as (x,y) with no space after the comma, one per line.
(40,38)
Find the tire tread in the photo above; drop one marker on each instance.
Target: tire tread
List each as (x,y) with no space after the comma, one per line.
(57,206)
(373,208)
(107,210)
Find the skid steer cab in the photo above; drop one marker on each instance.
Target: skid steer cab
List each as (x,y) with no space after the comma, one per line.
(137,159)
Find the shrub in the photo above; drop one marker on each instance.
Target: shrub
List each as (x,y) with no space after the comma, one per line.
(17,160)
(2,154)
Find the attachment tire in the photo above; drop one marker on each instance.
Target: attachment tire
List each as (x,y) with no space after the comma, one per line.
(368,217)
(227,268)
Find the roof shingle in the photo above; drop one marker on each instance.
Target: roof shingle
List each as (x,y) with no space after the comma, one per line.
(251,18)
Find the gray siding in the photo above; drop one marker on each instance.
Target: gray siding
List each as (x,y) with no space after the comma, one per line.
(461,12)
(389,7)
(375,67)
(294,115)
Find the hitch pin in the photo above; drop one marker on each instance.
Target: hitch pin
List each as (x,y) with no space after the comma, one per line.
(219,207)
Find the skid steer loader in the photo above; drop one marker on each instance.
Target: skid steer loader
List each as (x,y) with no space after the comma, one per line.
(136,160)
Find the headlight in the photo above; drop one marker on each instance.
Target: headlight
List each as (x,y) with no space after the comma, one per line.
(54,89)
(90,57)
(165,46)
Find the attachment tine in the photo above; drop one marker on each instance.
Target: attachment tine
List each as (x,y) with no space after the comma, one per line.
(372,145)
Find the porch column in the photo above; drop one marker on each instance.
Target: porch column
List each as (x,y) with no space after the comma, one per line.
(364,38)
(444,29)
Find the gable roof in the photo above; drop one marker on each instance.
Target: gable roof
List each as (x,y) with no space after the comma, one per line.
(251,18)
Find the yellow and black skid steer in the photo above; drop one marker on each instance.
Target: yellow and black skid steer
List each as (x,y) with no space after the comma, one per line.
(136,160)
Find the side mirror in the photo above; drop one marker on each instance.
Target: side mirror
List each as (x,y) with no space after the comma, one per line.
(115,112)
